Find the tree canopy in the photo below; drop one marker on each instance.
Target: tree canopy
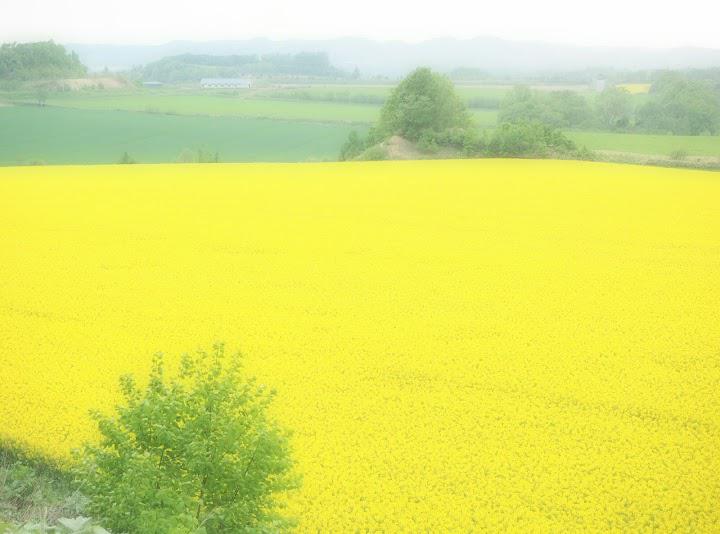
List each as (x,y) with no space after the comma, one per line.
(682,106)
(614,109)
(38,61)
(424,101)
(558,109)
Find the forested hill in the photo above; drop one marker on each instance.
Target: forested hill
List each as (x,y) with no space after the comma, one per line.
(38,61)
(192,67)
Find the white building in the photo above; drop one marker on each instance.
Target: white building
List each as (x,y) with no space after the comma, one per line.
(598,85)
(224,83)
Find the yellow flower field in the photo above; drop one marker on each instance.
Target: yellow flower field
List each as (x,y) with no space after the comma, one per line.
(458,346)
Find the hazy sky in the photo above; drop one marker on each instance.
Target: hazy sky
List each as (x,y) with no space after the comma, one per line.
(652,23)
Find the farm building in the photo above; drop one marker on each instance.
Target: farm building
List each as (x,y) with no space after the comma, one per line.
(224,83)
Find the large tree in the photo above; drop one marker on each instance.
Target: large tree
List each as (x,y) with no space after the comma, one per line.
(424,101)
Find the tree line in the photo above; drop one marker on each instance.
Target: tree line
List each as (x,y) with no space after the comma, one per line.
(676,105)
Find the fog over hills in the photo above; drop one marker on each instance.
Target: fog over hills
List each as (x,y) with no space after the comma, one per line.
(396,58)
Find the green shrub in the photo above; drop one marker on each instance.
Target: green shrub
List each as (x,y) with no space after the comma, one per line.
(374,153)
(427,142)
(353,147)
(126,159)
(193,454)
(584,153)
(467,142)
(529,140)
(679,154)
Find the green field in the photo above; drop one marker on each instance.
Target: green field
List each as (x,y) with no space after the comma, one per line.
(694,145)
(73,136)
(485,118)
(351,92)
(215,105)
(490,94)
(219,105)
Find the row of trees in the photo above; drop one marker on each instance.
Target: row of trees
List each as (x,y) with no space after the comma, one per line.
(38,61)
(676,105)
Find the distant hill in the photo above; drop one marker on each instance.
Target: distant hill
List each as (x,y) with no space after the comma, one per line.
(395,58)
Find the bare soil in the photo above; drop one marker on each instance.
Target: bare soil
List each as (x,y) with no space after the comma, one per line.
(75,84)
(400,148)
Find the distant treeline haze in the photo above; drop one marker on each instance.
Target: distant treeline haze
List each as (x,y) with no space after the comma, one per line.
(190,67)
(676,105)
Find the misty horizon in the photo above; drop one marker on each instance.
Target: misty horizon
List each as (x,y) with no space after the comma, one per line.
(486,37)
(396,58)
(639,24)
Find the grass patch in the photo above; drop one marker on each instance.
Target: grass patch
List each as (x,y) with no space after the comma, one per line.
(34,490)
(691,145)
(73,136)
(220,106)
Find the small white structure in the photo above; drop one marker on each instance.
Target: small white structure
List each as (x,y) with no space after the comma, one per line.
(598,85)
(224,83)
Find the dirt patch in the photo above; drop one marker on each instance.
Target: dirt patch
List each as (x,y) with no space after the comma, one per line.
(400,148)
(75,84)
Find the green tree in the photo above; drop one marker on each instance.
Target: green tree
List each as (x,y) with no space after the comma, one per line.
(196,453)
(522,105)
(572,107)
(614,108)
(422,101)
(558,109)
(353,147)
(681,107)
